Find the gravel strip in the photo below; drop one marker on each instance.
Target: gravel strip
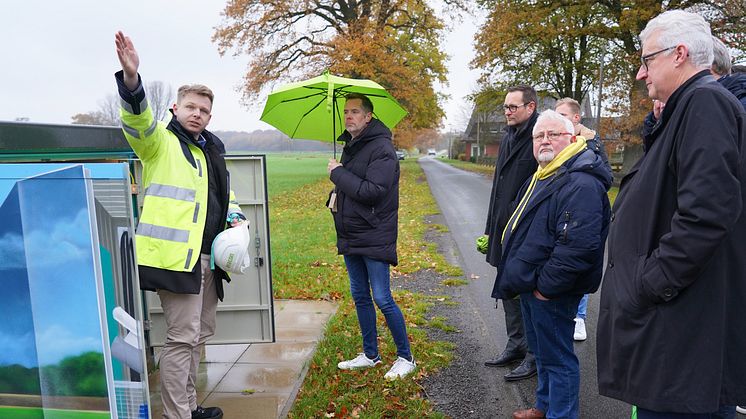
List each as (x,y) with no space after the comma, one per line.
(458,390)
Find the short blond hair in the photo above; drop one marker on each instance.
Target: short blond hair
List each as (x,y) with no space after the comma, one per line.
(572,103)
(550,115)
(198,89)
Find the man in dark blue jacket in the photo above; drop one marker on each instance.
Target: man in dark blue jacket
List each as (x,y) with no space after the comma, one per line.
(553,248)
(365,205)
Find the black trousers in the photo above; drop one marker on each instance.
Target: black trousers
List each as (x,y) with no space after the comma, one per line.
(514,327)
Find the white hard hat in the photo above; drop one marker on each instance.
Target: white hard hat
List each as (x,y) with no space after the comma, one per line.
(230,249)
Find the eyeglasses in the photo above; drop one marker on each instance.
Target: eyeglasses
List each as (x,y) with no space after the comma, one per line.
(553,136)
(645,58)
(513,108)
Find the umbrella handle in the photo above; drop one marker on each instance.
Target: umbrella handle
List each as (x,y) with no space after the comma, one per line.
(334,126)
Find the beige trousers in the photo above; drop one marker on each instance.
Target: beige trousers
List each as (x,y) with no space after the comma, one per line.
(190,321)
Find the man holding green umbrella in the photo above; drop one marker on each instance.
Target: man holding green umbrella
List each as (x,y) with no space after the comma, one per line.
(365,205)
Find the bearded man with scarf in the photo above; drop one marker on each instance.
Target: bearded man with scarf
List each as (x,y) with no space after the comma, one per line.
(553,248)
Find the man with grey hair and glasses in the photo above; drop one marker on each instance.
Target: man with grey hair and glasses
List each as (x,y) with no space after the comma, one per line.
(670,331)
(552,254)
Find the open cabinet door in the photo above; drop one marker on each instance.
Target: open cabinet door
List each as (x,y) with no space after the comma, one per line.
(246,313)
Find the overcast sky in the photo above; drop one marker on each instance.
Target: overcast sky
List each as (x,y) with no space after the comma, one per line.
(58,58)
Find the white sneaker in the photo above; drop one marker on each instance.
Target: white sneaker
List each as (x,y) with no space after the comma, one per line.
(579,329)
(361,361)
(401,368)
(741,409)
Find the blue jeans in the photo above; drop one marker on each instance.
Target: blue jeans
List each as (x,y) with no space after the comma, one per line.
(725,412)
(549,331)
(583,307)
(366,274)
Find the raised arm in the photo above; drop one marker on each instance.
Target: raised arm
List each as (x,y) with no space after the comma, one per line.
(128,58)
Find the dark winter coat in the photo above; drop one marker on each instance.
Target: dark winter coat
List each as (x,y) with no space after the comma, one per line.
(367,187)
(672,321)
(515,163)
(557,246)
(736,84)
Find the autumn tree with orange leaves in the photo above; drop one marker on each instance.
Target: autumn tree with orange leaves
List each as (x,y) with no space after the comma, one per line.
(393,42)
(558,45)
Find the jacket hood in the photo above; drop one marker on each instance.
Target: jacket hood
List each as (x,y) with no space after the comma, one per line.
(735,83)
(375,129)
(586,132)
(589,162)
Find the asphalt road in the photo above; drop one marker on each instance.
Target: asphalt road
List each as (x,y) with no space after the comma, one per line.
(463,200)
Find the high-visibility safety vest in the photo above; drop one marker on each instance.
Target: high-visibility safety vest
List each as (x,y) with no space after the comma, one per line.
(175,188)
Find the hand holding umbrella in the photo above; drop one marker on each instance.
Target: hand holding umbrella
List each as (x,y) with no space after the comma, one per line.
(333,164)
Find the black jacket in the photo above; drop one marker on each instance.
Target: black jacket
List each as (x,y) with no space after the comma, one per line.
(515,163)
(736,84)
(671,330)
(557,246)
(367,187)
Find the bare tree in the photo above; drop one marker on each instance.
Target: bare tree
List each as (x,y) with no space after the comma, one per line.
(107,113)
(161,97)
(109,110)
(92,118)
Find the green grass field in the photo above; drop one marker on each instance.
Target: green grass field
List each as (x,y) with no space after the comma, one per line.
(39,413)
(287,172)
(306,266)
(472,167)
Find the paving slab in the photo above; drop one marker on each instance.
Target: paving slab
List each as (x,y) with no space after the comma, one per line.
(259,380)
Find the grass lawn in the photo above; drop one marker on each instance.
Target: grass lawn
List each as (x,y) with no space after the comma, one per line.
(472,167)
(306,266)
(612,194)
(287,172)
(37,413)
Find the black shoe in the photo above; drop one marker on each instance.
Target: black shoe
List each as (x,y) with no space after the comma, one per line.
(505,358)
(207,413)
(527,369)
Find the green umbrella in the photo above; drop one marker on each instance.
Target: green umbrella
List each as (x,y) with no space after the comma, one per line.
(311,109)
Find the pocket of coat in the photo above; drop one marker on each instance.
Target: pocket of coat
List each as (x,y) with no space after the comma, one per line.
(367,215)
(637,294)
(522,275)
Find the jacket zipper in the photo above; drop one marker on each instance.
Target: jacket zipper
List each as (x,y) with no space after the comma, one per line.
(564,227)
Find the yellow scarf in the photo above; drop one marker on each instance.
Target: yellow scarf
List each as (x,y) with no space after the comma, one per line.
(541,174)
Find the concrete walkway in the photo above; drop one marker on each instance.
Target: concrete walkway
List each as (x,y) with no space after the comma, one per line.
(260,380)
